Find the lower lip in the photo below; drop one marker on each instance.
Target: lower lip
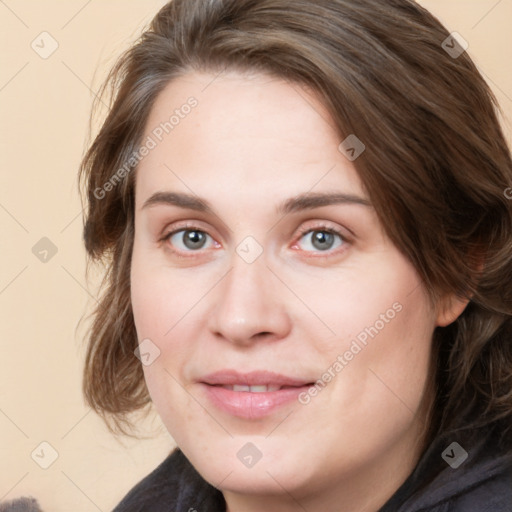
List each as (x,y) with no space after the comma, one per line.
(245,404)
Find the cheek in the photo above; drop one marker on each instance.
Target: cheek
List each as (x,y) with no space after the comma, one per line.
(165,305)
(381,297)
(157,313)
(380,354)
(161,297)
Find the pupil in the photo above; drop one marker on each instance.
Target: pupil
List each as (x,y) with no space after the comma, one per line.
(321,239)
(194,239)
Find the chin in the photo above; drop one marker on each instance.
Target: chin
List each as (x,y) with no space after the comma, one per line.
(252,464)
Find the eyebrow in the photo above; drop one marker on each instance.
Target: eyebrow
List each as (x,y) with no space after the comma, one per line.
(306,201)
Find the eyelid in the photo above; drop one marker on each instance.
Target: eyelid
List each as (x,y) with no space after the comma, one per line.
(322,226)
(181,226)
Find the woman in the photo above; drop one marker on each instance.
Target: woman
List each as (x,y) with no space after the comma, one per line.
(303,209)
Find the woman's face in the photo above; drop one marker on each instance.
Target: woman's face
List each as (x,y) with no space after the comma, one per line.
(260,268)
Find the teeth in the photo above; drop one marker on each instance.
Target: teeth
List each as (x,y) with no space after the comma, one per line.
(252,389)
(241,388)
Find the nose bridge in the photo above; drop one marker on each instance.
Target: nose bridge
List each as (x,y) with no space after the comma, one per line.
(248,303)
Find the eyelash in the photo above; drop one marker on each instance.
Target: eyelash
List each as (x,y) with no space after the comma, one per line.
(302,231)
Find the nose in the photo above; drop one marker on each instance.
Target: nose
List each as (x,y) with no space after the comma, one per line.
(250,305)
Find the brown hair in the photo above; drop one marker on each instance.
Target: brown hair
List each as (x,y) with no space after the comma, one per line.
(436,166)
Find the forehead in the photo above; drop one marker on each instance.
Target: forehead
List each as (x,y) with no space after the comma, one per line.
(238,131)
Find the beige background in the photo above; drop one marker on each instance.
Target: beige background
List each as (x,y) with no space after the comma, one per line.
(44,109)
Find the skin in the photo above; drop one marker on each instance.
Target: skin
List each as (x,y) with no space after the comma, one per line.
(251,143)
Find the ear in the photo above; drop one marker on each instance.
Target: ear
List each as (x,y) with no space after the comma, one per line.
(449,308)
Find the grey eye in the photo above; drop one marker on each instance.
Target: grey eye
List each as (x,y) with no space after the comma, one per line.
(190,239)
(322,240)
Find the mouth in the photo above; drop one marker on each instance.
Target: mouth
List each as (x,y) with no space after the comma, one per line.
(252,395)
(254,389)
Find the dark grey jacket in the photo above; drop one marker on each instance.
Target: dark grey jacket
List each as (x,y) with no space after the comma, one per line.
(481,483)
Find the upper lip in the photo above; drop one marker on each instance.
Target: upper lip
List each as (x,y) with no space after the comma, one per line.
(253,378)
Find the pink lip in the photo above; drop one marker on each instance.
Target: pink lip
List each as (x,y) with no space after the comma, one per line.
(254,378)
(246,404)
